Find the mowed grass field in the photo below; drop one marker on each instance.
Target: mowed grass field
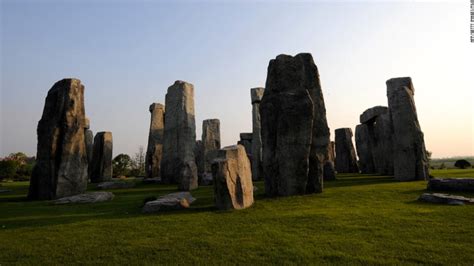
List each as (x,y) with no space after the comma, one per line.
(359,219)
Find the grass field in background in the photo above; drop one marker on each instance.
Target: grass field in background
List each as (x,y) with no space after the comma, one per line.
(358,219)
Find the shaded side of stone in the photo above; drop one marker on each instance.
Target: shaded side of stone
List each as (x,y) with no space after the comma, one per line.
(102,157)
(154,150)
(346,160)
(409,154)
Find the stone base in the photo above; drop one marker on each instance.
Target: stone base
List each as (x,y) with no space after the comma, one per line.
(451,184)
(92,197)
(173,201)
(445,199)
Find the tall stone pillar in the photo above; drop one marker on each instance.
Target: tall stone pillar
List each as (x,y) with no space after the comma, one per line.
(294,132)
(178,164)
(61,158)
(102,157)
(346,160)
(256,95)
(409,153)
(89,139)
(154,150)
(211,143)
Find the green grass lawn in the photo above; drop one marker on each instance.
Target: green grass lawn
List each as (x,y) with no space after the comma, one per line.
(359,219)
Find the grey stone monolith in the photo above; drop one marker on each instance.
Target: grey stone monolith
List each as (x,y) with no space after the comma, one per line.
(101,169)
(256,95)
(295,134)
(346,160)
(410,159)
(61,158)
(154,152)
(178,164)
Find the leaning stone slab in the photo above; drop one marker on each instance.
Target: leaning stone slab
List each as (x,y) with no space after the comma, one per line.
(115,185)
(173,201)
(445,199)
(233,188)
(92,197)
(451,184)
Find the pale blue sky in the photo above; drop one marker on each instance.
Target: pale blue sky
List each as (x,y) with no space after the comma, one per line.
(128,53)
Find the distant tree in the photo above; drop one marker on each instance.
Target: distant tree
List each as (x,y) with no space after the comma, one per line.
(442,166)
(16,166)
(19,157)
(8,168)
(121,164)
(138,163)
(462,164)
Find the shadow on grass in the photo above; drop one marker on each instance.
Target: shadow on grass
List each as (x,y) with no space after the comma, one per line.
(359,180)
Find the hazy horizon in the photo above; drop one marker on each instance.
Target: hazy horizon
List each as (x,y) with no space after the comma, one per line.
(127,55)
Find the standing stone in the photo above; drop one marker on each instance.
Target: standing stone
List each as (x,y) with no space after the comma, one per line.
(211,142)
(256,95)
(154,150)
(383,146)
(374,141)
(233,188)
(89,139)
(410,159)
(178,164)
(246,141)
(199,158)
(329,171)
(294,132)
(102,157)
(363,139)
(61,158)
(346,160)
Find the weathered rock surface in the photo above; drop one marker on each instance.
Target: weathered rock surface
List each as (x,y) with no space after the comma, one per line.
(115,185)
(369,115)
(199,158)
(329,170)
(246,141)
(154,150)
(256,95)
(445,199)
(178,163)
(294,132)
(61,159)
(211,142)
(409,154)
(173,201)
(382,146)
(364,140)
(101,169)
(346,160)
(233,188)
(451,184)
(91,197)
(89,139)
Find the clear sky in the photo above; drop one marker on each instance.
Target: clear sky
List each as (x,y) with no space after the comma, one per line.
(127,53)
